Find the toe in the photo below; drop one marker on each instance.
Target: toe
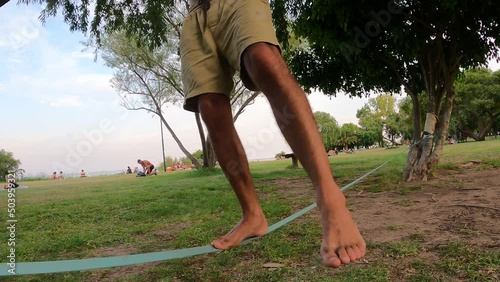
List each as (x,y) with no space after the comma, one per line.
(353,255)
(359,253)
(218,244)
(332,261)
(344,256)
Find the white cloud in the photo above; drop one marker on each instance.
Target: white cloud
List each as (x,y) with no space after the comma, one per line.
(67,101)
(83,55)
(54,75)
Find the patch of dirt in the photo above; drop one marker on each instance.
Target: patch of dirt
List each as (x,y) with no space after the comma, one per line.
(461,205)
(114,251)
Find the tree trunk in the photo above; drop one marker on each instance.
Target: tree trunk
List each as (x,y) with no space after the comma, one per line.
(424,156)
(487,128)
(466,130)
(417,126)
(202,138)
(179,143)
(442,132)
(211,157)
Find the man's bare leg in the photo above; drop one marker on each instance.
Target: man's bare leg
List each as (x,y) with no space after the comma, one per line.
(215,110)
(342,242)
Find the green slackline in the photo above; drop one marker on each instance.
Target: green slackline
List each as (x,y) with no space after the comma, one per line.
(43,267)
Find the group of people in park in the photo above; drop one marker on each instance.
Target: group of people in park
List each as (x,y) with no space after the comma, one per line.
(55,176)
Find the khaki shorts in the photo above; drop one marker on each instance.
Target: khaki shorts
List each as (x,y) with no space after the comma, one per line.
(211,54)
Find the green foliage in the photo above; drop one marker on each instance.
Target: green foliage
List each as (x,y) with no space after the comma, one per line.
(405,111)
(379,117)
(348,137)
(185,160)
(328,129)
(198,154)
(367,137)
(7,163)
(169,161)
(477,105)
(145,79)
(279,155)
(358,46)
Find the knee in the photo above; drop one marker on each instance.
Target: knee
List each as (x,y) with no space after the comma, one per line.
(261,58)
(211,106)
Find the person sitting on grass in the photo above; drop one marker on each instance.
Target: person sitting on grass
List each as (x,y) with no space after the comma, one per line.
(53,176)
(83,174)
(11,182)
(147,166)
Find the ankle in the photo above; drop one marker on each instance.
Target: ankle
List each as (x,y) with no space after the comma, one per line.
(333,200)
(254,213)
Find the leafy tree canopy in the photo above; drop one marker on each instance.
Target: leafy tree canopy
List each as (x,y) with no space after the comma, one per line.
(364,45)
(477,104)
(7,163)
(328,128)
(145,19)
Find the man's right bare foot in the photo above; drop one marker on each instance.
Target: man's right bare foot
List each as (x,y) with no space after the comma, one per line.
(249,226)
(342,241)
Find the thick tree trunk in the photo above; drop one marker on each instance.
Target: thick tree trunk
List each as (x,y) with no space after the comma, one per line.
(424,155)
(417,126)
(417,164)
(442,131)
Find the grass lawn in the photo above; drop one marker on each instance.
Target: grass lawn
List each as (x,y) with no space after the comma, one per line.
(119,215)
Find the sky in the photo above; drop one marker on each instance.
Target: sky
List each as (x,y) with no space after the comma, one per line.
(61,113)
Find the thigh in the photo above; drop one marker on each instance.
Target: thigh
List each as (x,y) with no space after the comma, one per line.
(243,23)
(203,69)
